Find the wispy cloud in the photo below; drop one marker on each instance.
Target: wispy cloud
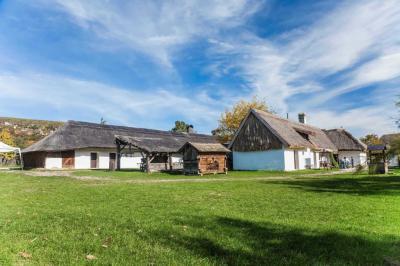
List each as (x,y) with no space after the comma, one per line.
(157,28)
(90,100)
(357,42)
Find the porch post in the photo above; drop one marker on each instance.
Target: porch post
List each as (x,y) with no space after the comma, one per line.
(148,163)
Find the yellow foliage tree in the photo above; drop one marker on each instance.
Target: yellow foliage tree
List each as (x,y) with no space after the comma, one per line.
(6,137)
(371,139)
(230,120)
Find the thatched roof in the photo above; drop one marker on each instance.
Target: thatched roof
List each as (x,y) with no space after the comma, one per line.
(344,141)
(293,134)
(208,147)
(77,135)
(390,138)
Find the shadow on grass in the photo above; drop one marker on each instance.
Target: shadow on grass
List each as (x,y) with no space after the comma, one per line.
(368,185)
(239,242)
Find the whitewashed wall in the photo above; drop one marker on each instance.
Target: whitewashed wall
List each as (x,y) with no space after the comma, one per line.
(82,159)
(53,161)
(358,157)
(306,156)
(274,160)
(131,162)
(394,161)
(259,160)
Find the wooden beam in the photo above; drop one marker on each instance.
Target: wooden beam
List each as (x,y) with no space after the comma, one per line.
(148,163)
(118,157)
(170,161)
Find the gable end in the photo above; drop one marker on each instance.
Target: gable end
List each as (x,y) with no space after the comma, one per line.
(253,135)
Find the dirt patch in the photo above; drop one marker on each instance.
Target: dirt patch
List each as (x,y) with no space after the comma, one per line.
(47,173)
(90,178)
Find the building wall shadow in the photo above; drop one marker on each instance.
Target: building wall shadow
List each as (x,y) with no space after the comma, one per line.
(230,241)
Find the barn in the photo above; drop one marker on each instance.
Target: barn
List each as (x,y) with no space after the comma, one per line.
(204,158)
(349,149)
(265,141)
(82,145)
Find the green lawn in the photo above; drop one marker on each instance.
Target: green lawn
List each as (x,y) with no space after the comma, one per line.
(292,220)
(135,174)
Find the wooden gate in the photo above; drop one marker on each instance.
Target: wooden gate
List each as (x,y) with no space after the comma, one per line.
(68,159)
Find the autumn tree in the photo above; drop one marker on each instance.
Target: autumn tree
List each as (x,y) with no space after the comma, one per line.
(371,139)
(6,137)
(230,120)
(181,126)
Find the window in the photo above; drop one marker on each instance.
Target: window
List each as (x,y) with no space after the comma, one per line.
(304,135)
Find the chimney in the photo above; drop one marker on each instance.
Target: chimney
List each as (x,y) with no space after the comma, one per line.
(189,129)
(302,118)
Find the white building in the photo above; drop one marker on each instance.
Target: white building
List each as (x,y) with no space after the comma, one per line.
(81,145)
(265,141)
(351,151)
(392,140)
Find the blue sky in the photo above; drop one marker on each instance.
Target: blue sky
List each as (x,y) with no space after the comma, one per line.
(149,63)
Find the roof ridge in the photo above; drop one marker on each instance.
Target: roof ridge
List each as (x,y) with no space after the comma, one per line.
(128,128)
(286,120)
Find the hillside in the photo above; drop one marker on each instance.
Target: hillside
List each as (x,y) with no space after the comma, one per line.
(25,132)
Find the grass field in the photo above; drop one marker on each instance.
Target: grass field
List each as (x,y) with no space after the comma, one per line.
(258,218)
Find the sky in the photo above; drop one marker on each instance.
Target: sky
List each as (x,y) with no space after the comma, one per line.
(149,63)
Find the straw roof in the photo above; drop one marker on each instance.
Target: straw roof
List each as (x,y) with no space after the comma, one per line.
(390,138)
(77,135)
(208,147)
(293,134)
(344,141)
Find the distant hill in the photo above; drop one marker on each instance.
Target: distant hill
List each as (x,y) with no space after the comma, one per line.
(25,132)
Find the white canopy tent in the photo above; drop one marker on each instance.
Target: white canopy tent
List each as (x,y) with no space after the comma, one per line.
(6,148)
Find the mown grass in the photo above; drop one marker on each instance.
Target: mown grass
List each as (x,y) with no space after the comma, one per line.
(135,174)
(326,220)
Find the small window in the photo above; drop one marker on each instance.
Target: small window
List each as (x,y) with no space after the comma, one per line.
(304,135)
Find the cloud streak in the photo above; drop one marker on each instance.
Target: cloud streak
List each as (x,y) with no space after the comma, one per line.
(157,28)
(356,44)
(92,100)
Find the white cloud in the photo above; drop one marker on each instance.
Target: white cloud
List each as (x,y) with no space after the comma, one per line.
(91,100)
(157,28)
(338,44)
(360,121)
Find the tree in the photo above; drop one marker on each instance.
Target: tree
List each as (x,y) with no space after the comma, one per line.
(371,139)
(102,121)
(6,137)
(230,120)
(181,126)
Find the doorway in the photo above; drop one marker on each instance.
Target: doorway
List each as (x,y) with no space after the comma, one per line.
(68,159)
(113,157)
(93,160)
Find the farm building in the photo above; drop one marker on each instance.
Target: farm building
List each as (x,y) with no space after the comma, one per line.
(378,159)
(266,141)
(204,158)
(391,139)
(81,145)
(350,150)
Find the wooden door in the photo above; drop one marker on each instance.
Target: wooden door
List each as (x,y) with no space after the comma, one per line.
(113,157)
(296,160)
(68,159)
(93,160)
